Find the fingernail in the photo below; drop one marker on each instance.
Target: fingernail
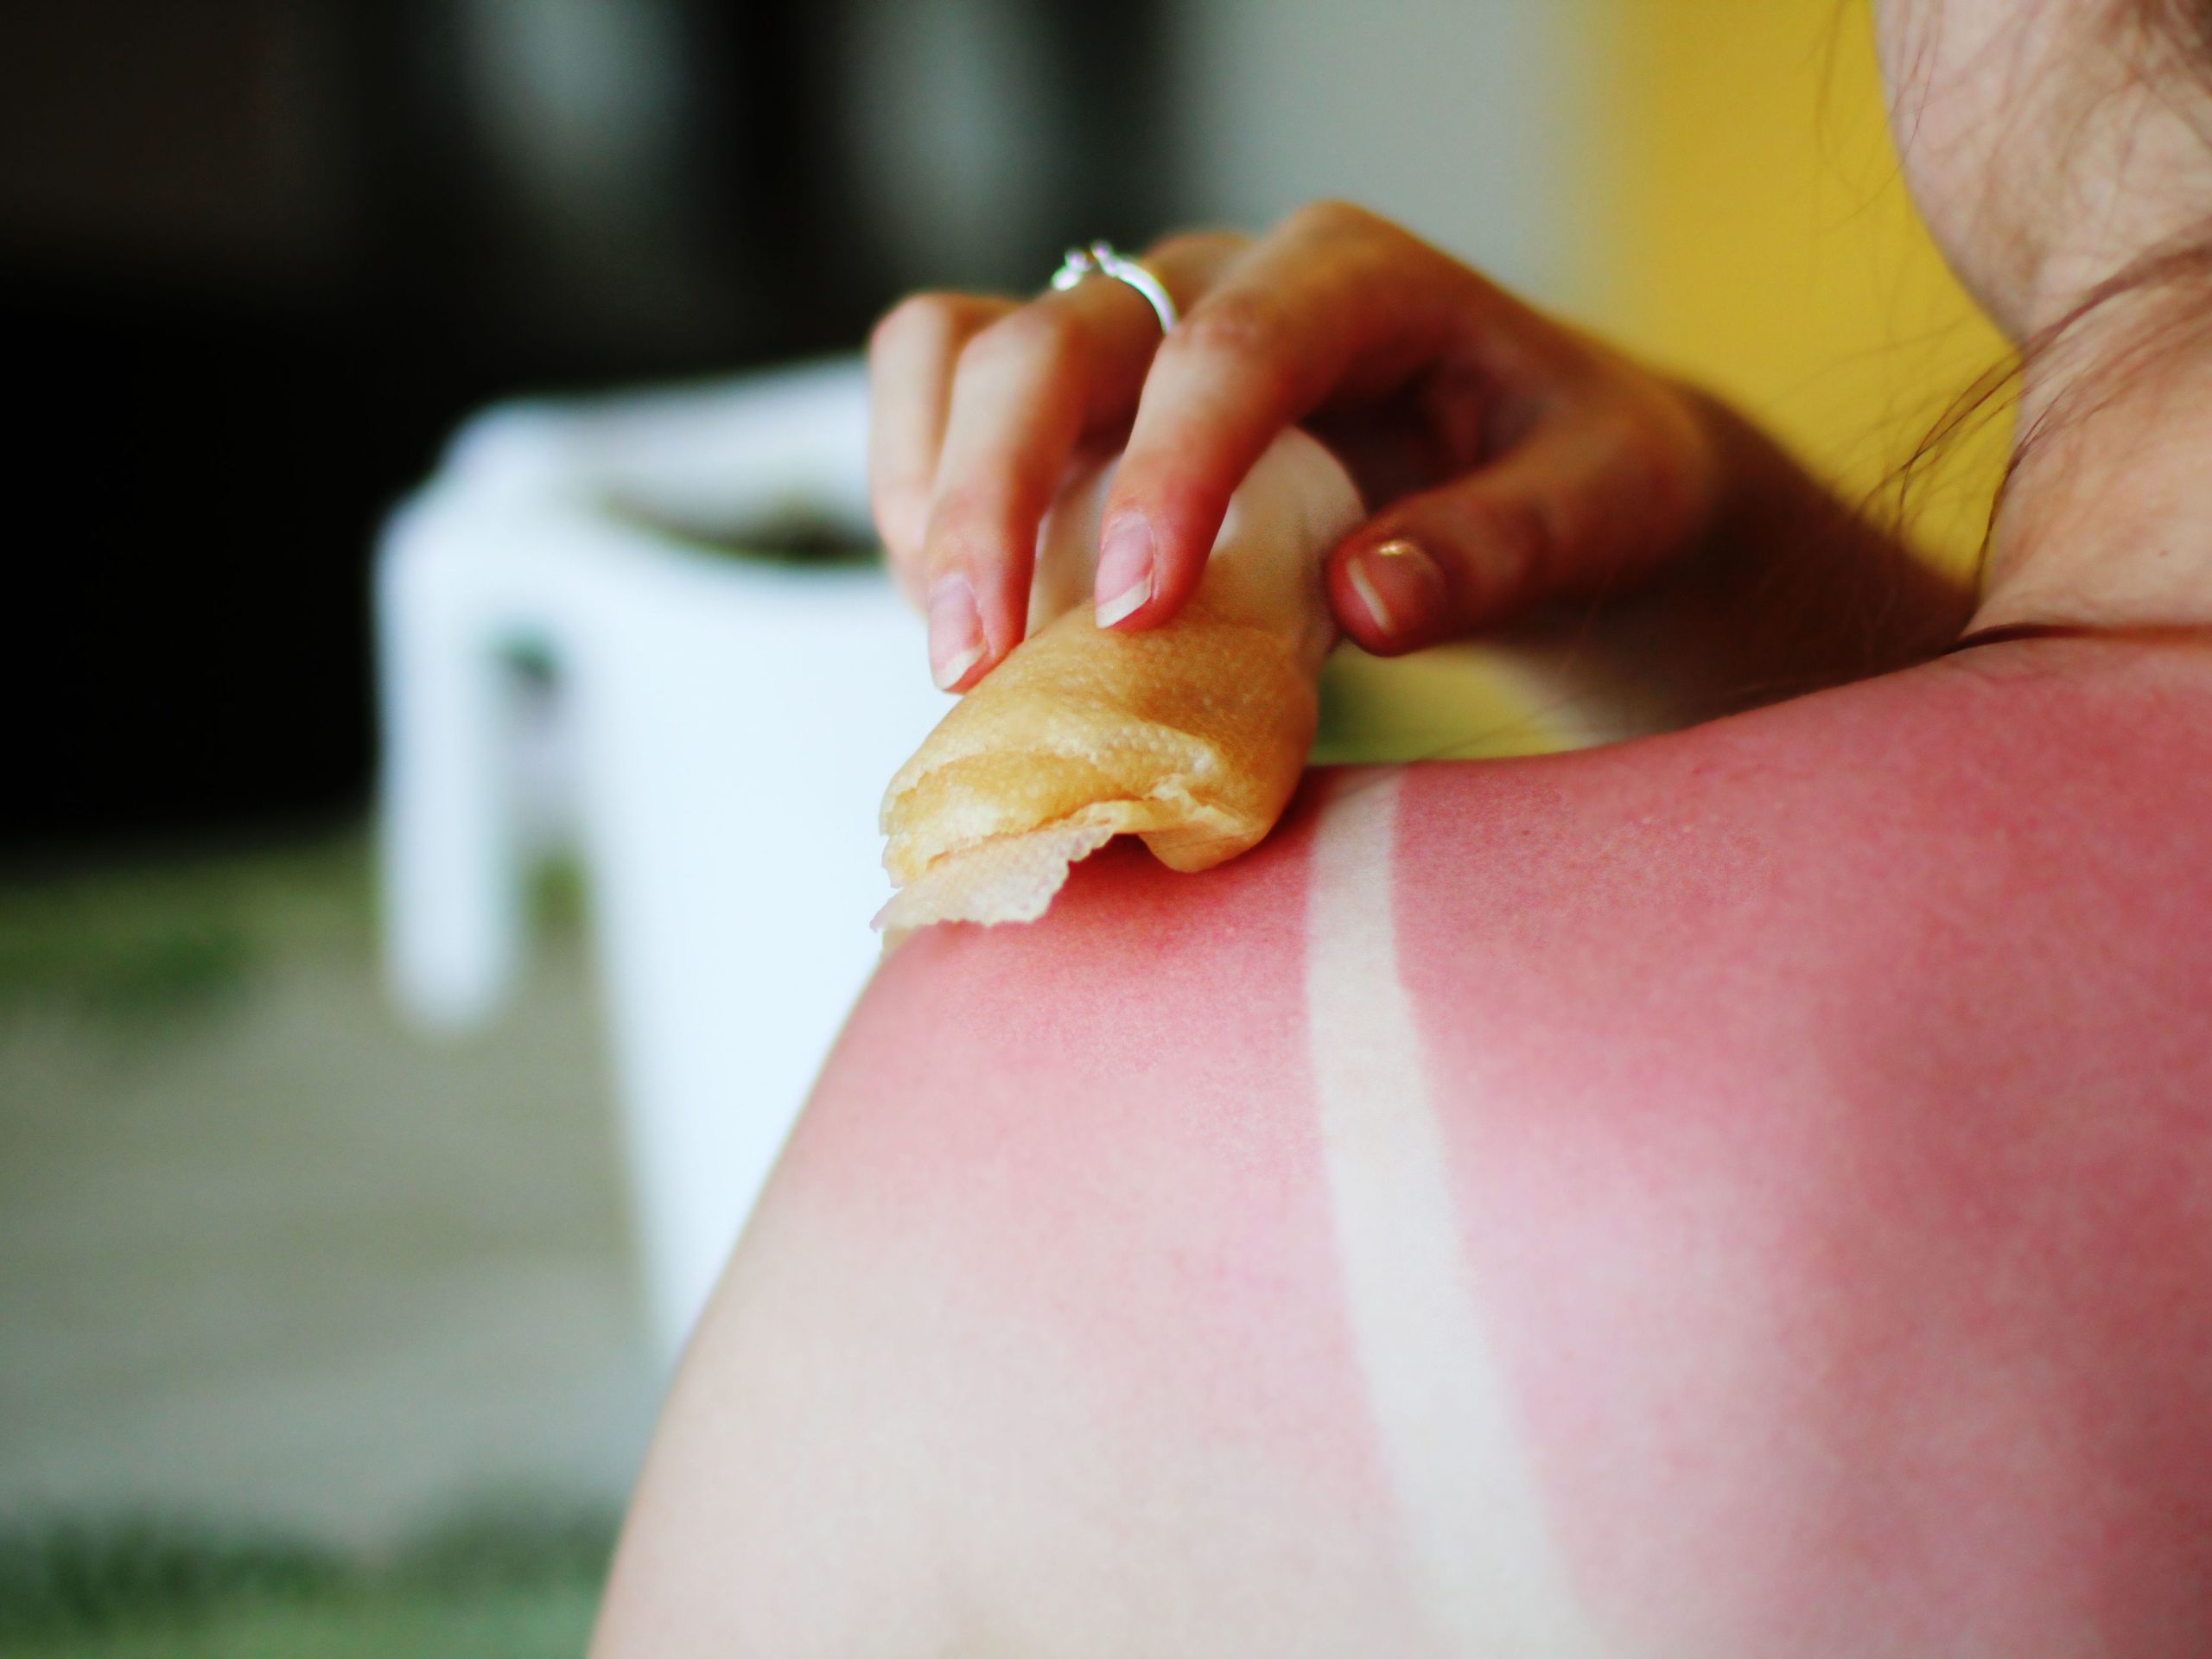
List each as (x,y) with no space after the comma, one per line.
(1124,574)
(956,642)
(1398,583)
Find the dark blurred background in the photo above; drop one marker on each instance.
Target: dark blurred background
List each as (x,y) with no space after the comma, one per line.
(259,256)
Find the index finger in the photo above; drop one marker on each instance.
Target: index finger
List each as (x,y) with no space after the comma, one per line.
(1334,301)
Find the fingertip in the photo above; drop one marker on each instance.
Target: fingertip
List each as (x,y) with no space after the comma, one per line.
(972,627)
(1168,504)
(1143,583)
(1390,596)
(1150,564)
(978,569)
(1180,567)
(1128,576)
(1352,614)
(958,646)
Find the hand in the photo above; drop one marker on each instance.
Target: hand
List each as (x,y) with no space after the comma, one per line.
(1508,459)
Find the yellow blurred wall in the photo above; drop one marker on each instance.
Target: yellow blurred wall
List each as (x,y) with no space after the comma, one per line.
(1748,226)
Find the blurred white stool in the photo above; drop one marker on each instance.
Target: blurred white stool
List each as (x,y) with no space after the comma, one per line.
(728,725)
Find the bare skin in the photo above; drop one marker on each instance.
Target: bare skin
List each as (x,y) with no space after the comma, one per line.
(1745,1191)
(1766,1314)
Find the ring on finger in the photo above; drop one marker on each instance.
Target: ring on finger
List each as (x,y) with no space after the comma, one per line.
(1103,259)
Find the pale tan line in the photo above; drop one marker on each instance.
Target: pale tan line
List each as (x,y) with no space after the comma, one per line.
(1481,1555)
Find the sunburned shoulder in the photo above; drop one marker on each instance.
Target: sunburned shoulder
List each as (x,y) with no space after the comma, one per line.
(1988,821)
(1743,1192)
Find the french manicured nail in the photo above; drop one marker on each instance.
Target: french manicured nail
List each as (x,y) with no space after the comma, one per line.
(956,631)
(1124,574)
(1398,583)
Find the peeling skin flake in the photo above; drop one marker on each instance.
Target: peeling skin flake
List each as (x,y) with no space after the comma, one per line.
(1191,735)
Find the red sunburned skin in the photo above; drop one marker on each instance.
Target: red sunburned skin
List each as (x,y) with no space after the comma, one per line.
(1744,1193)
(1108,1157)
(1033,1142)
(1853,1262)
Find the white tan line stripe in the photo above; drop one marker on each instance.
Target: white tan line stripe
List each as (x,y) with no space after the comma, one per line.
(1482,1558)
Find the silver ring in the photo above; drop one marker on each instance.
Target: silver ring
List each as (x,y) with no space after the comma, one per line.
(1100,259)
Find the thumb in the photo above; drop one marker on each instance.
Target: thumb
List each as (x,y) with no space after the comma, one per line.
(1577,509)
